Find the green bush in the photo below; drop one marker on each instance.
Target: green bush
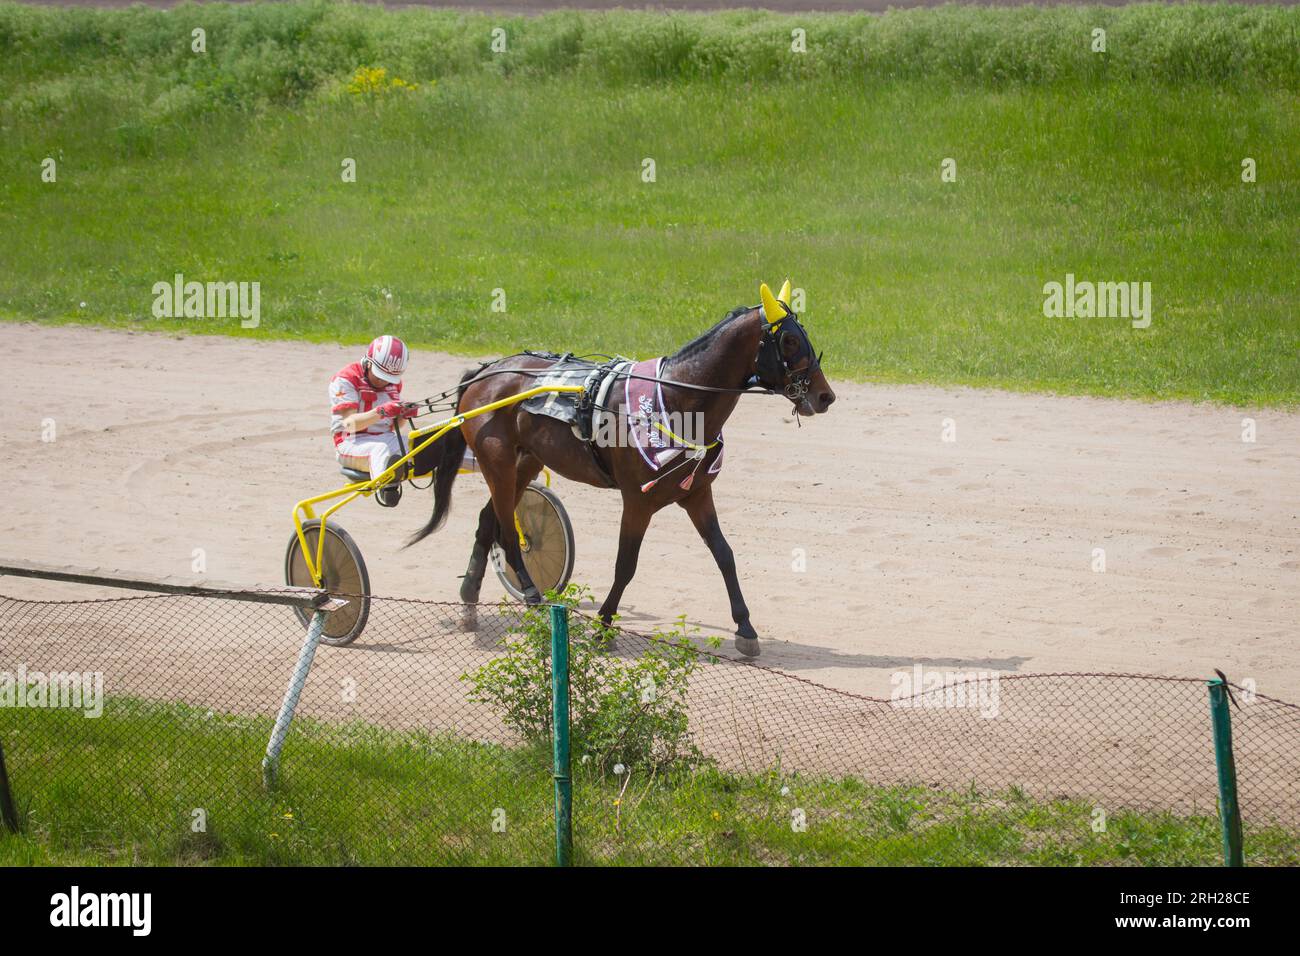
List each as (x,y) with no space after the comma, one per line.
(623,713)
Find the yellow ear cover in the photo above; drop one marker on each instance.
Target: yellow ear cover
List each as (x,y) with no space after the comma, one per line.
(784,294)
(773,310)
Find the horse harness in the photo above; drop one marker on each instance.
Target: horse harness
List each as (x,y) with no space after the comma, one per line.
(644,414)
(774,373)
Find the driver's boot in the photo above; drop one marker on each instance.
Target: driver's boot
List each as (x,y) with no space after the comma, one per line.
(390,494)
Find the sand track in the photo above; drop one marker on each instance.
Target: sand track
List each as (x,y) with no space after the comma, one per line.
(967,555)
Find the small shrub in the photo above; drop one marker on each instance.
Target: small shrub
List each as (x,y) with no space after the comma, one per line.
(621,711)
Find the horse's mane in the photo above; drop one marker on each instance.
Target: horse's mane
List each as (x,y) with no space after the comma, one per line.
(705,339)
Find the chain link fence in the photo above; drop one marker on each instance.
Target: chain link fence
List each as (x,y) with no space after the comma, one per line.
(424,743)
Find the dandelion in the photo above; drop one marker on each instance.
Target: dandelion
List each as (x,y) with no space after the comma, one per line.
(785,791)
(717,815)
(618,769)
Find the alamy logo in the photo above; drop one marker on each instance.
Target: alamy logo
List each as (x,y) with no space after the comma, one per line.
(103,909)
(179,299)
(1098,300)
(68,690)
(661,429)
(921,688)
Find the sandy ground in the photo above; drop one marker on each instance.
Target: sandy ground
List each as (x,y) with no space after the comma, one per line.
(966,555)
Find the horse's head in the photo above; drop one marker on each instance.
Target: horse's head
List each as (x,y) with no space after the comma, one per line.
(787,362)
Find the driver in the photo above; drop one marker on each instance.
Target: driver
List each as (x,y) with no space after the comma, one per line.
(366,411)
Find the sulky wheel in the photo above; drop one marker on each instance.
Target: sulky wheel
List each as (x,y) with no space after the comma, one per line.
(344,575)
(548,543)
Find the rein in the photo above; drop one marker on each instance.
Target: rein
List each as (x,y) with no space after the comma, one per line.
(443,401)
(770,362)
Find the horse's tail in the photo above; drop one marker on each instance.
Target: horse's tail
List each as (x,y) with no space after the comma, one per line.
(451,452)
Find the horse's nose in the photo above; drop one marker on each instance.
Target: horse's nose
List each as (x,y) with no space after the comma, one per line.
(824,399)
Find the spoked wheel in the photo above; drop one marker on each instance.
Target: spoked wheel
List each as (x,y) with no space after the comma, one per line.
(344,575)
(548,543)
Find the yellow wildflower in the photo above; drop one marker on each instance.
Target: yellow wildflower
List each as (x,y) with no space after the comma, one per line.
(375,81)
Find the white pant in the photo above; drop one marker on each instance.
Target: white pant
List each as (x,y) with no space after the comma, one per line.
(368,453)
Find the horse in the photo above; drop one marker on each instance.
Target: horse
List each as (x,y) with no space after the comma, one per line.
(761,349)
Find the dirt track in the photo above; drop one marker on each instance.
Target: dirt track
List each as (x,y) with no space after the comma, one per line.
(968,555)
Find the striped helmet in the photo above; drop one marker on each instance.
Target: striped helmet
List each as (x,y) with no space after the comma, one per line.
(386,357)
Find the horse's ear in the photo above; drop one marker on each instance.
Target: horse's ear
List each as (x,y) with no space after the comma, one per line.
(773,310)
(784,294)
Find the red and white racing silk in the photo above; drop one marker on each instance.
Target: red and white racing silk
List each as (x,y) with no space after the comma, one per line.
(351,392)
(372,448)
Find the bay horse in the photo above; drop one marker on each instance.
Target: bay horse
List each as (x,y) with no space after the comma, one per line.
(762,348)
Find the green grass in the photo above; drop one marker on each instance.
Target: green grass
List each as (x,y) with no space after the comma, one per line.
(122,789)
(282,52)
(524,175)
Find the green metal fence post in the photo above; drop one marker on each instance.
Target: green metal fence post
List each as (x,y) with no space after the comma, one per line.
(7,812)
(560,726)
(1229,812)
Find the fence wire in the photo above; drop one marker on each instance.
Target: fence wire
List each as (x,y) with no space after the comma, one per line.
(425,743)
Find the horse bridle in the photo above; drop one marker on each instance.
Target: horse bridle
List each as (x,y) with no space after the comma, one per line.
(774,372)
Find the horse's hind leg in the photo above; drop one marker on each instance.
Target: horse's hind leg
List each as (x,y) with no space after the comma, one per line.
(505,496)
(490,532)
(527,467)
(478,558)
(483,538)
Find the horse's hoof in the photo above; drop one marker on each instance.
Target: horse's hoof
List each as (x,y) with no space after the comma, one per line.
(747,645)
(532,596)
(469,619)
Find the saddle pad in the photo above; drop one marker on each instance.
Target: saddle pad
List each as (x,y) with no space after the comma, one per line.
(643,398)
(562,406)
(644,403)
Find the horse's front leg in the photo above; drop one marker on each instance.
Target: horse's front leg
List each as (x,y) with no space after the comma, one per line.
(704,516)
(631,533)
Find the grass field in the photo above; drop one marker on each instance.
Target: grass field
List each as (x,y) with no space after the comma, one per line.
(125,793)
(523,173)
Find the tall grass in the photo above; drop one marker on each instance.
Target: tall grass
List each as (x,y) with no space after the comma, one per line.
(283,52)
